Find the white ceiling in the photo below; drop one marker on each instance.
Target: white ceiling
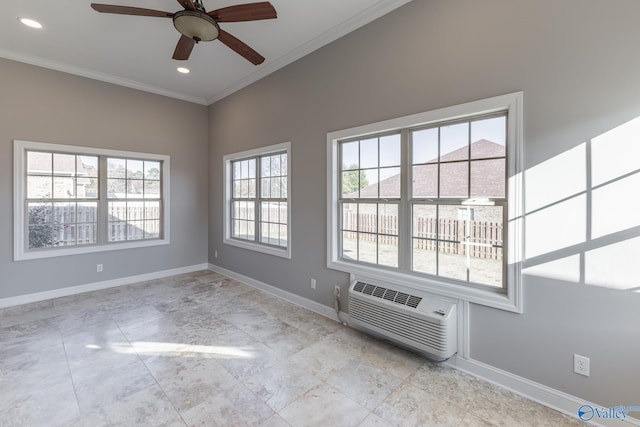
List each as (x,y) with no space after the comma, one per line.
(135,51)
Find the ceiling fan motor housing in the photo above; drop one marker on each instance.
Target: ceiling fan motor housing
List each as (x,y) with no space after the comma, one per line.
(196,25)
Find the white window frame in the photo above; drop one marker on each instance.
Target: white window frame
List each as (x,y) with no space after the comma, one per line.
(19,194)
(508,298)
(228,174)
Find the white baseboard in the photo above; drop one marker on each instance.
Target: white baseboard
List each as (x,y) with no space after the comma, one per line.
(285,295)
(96,286)
(547,396)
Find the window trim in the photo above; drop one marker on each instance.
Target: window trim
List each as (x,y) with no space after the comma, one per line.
(509,298)
(19,194)
(227,170)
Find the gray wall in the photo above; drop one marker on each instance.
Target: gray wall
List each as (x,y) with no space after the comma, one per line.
(577,62)
(48,106)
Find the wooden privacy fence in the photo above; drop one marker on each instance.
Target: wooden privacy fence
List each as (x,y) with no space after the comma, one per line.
(483,239)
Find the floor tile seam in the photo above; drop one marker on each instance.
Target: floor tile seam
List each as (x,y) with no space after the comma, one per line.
(150,373)
(73,382)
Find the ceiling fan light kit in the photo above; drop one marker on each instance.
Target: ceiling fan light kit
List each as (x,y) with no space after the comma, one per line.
(195,24)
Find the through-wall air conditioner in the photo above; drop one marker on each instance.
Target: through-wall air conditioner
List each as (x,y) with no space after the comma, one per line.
(412,319)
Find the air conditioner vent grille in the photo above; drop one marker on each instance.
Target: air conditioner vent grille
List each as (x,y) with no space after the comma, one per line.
(387,294)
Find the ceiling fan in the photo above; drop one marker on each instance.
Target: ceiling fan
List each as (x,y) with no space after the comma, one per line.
(197,25)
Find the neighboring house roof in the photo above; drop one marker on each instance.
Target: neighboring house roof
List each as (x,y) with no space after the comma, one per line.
(487,177)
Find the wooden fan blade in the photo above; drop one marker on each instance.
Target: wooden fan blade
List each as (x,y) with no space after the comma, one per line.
(244,12)
(183,48)
(187,4)
(241,48)
(126,10)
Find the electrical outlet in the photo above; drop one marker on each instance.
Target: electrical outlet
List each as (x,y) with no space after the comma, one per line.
(581,365)
(336,291)
(99,268)
(313,283)
(215,254)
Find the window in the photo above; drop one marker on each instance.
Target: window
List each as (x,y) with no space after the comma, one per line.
(257,212)
(432,201)
(71,200)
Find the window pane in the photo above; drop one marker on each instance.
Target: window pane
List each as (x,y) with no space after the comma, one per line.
(454,179)
(425,146)
(152,210)
(369,153)
(388,251)
(424,256)
(367,217)
(352,182)
(64,164)
(388,219)
(350,155)
(452,262)
(41,236)
(151,189)
(424,222)
(64,213)
(87,212)
(350,245)
(39,187)
(488,137)
(425,181)
(135,169)
(275,188)
(64,187)
(276,169)
(40,213)
(116,188)
(369,186)
(117,231)
(67,235)
(87,188)
(265,164)
(135,188)
(135,211)
(151,170)
(486,271)
(284,170)
(390,150)
(283,187)
(454,142)
(488,178)
(117,211)
(390,183)
(152,229)
(116,168)
(349,216)
(86,233)
(251,164)
(87,166)
(135,230)
(368,247)
(40,163)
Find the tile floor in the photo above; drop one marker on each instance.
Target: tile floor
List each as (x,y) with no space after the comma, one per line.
(202,349)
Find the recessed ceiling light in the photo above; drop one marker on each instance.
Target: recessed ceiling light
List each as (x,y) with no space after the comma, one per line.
(183,70)
(30,23)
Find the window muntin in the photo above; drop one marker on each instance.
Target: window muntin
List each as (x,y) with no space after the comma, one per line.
(67,201)
(432,199)
(257,214)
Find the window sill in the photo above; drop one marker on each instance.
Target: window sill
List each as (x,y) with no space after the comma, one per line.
(256,247)
(58,252)
(488,297)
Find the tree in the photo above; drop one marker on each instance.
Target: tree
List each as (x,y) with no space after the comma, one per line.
(353,180)
(41,232)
